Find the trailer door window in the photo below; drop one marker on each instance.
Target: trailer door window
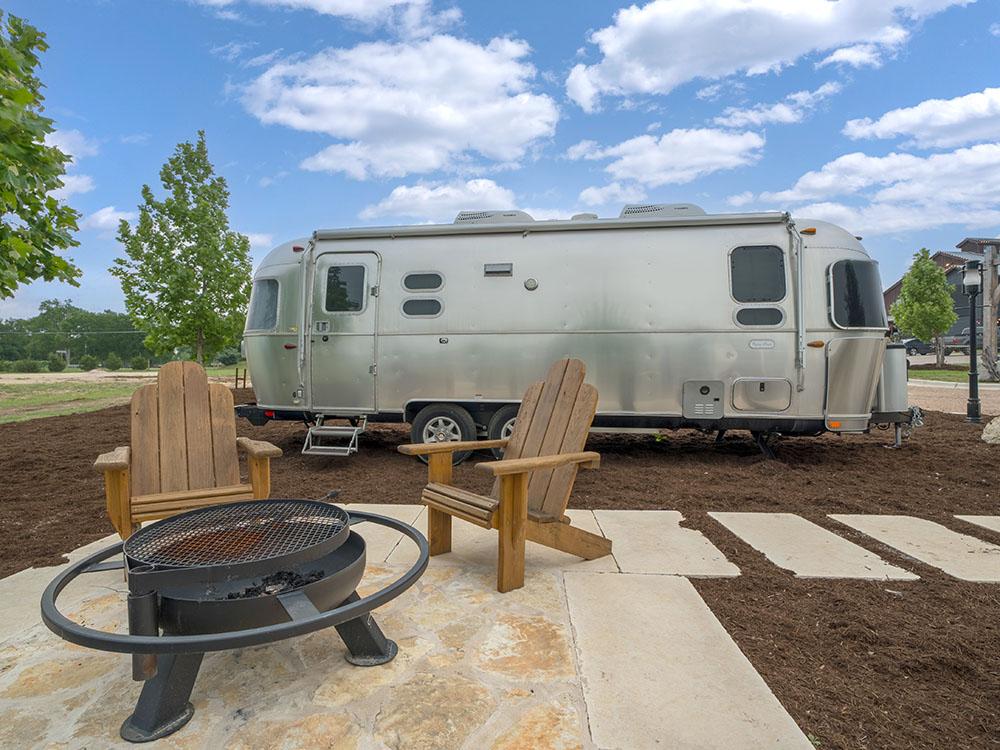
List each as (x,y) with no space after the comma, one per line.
(856,295)
(757,273)
(263,315)
(345,288)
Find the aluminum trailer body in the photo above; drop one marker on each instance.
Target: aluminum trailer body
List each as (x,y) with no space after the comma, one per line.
(752,321)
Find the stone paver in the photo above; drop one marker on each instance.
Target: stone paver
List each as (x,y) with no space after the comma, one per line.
(660,671)
(810,551)
(958,555)
(653,541)
(987,522)
(475,548)
(379,540)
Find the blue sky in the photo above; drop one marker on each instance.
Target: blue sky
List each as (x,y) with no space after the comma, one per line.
(883,117)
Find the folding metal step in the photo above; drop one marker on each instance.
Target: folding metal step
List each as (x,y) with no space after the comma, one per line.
(315,444)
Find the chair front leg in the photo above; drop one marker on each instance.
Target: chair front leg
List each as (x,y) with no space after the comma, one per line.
(117,496)
(260,476)
(438,522)
(511,522)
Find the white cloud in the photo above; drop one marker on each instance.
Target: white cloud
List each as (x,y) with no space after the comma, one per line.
(411,107)
(441,201)
(260,240)
(995,29)
(77,146)
(654,48)
(73,143)
(105,220)
(410,18)
(232,51)
(741,199)
(614,192)
(676,157)
(135,138)
(793,108)
(899,192)
(937,123)
(73,184)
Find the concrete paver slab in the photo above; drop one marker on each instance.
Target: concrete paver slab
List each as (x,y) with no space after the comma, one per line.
(810,551)
(475,547)
(653,541)
(958,555)
(987,522)
(659,670)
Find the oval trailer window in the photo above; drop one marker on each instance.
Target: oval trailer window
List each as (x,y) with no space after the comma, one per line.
(422,282)
(759,316)
(421,308)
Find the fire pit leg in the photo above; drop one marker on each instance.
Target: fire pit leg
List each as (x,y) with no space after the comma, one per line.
(163,705)
(367,646)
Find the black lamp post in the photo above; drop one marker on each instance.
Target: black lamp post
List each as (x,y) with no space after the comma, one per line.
(972,279)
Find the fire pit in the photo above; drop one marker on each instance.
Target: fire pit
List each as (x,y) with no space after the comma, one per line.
(232,576)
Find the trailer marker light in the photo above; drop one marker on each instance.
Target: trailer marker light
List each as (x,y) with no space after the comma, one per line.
(808,230)
(835,425)
(269,414)
(297,248)
(816,344)
(291,346)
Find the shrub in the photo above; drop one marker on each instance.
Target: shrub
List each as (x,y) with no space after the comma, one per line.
(139,363)
(87,362)
(6,365)
(56,363)
(27,365)
(229,357)
(113,362)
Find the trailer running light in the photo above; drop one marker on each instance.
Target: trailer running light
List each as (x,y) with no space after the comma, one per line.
(269,414)
(808,230)
(835,425)
(816,344)
(297,248)
(291,346)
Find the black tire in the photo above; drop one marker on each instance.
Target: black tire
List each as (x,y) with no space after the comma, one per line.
(498,422)
(454,421)
(912,351)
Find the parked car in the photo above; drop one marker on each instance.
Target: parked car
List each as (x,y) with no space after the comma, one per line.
(916,346)
(960,342)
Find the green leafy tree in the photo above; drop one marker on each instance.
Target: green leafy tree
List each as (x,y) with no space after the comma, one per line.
(87,362)
(113,362)
(186,277)
(56,363)
(34,226)
(925,307)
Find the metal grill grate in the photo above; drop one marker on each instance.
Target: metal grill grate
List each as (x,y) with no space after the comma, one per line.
(236,533)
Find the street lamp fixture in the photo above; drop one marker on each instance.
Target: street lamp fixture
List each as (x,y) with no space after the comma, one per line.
(973,280)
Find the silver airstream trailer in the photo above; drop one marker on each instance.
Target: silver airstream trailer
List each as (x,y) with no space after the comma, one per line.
(729,321)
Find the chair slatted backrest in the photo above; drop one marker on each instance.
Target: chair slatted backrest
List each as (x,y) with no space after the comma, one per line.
(554,417)
(183,433)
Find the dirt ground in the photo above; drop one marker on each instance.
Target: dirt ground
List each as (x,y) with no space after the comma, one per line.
(857,664)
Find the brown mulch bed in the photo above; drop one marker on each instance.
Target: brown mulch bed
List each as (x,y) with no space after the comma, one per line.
(857,664)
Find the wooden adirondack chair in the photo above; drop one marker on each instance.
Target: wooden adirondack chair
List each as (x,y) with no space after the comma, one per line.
(183,453)
(534,478)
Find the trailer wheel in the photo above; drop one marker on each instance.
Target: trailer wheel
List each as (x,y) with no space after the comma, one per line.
(502,426)
(438,423)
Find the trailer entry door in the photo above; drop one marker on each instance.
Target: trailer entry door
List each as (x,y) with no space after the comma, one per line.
(342,333)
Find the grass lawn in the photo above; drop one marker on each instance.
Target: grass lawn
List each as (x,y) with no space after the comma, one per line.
(952,376)
(21,401)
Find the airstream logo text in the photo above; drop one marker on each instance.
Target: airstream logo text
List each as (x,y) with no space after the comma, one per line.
(761,343)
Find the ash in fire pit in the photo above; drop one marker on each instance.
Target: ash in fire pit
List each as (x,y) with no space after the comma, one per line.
(277,583)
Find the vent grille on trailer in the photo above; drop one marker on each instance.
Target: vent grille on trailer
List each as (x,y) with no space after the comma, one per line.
(661,209)
(492,217)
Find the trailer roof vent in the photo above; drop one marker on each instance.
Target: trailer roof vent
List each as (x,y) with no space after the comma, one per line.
(492,217)
(650,210)
(583,217)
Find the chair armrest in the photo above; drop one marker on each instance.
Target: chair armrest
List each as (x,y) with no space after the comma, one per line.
(116,460)
(587,459)
(257,448)
(425,449)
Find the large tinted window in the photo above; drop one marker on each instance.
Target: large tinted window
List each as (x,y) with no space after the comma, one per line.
(345,288)
(263,314)
(758,273)
(856,293)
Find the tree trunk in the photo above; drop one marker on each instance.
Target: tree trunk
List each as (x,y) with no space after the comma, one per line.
(940,351)
(200,349)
